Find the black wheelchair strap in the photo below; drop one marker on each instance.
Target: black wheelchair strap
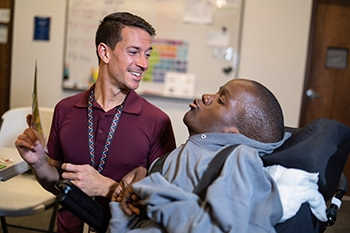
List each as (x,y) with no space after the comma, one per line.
(158,164)
(213,171)
(209,175)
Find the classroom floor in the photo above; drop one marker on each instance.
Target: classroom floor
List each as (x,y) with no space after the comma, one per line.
(42,220)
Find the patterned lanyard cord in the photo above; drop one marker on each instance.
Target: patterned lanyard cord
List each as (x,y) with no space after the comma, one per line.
(110,134)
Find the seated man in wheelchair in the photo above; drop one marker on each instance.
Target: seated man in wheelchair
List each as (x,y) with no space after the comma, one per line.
(245,197)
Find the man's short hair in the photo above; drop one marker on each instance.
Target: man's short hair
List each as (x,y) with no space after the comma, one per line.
(261,119)
(109,30)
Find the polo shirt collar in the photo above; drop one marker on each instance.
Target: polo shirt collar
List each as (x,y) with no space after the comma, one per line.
(83,102)
(132,104)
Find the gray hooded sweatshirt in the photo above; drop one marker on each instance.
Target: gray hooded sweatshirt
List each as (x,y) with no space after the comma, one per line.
(244,198)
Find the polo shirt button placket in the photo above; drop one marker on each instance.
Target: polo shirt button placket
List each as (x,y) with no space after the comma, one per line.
(203,136)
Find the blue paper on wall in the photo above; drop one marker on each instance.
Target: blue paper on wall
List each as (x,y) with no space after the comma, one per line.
(42,28)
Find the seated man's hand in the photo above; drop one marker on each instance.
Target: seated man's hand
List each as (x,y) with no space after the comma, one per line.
(135,175)
(130,202)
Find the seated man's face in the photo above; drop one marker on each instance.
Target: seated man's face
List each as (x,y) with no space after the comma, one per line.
(216,113)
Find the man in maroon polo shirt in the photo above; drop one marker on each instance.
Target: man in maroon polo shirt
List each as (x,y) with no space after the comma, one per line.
(98,136)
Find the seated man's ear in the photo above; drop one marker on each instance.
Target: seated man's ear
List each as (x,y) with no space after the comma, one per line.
(232,129)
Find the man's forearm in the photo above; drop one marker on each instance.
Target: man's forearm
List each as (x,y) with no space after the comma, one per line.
(47,175)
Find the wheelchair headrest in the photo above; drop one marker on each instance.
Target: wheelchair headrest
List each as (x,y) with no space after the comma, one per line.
(322,146)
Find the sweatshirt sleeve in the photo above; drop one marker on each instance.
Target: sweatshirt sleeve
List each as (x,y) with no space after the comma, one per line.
(243,198)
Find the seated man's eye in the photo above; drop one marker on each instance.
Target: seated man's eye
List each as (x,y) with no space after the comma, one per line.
(220,101)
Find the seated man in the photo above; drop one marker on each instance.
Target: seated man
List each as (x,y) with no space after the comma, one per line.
(244,198)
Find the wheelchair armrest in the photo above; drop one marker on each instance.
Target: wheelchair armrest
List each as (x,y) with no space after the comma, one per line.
(83,206)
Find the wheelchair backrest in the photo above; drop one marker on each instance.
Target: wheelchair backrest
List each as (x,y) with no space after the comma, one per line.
(322,146)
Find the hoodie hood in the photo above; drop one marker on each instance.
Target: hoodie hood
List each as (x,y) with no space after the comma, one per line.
(216,141)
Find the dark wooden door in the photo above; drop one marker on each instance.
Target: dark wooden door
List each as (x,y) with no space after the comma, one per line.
(5,57)
(327,81)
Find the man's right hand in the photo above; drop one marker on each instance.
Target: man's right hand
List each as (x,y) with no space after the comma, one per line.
(30,148)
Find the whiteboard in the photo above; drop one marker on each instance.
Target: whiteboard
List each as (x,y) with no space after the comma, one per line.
(212,33)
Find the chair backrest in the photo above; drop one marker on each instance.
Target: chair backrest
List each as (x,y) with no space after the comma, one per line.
(322,146)
(13,123)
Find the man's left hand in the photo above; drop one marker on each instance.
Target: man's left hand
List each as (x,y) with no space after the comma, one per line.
(89,180)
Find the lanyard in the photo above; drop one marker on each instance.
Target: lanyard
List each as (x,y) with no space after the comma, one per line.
(91,132)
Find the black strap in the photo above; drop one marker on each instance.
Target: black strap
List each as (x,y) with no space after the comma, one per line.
(209,175)
(158,165)
(213,171)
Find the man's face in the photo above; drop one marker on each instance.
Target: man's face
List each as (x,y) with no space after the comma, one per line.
(129,60)
(215,113)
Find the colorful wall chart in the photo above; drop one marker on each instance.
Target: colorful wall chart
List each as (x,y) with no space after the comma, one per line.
(167,55)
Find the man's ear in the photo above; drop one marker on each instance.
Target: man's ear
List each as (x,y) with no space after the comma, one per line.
(232,129)
(103,52)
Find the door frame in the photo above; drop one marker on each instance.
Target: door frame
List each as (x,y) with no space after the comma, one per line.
(5,66)
(302,122)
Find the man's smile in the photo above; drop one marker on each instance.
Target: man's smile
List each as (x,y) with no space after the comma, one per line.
(137,74)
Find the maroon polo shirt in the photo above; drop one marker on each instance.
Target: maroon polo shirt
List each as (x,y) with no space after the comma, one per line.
(143,134)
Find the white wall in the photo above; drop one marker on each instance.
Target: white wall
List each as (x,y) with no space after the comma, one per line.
(25,51)
(273,49)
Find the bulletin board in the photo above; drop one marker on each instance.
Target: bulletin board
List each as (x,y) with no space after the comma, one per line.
(196,45)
